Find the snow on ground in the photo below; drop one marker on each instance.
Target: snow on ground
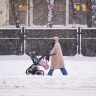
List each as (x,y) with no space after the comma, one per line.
(80,81)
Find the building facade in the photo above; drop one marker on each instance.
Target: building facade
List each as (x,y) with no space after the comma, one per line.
(32,13)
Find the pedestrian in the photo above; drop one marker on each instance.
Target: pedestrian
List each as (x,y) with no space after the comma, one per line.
(57,61)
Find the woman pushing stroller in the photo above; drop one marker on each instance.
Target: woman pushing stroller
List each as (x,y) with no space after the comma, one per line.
(57,61)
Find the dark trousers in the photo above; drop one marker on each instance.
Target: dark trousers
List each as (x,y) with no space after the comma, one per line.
(63,70)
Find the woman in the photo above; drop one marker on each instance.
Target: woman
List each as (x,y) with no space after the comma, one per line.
(57,61)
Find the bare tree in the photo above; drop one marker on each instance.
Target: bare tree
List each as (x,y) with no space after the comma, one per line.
(73,14)
(89,13)
(50,12)
(14,14)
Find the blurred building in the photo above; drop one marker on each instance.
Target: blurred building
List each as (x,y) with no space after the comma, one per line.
(32,13)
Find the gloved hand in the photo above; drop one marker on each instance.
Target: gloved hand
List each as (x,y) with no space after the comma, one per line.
(47,55)
(48,51)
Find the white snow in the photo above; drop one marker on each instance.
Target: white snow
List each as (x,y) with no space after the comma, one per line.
(80,81)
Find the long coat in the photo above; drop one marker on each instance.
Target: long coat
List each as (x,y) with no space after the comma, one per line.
(57,57)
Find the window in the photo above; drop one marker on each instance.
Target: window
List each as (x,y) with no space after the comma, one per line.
(17,11)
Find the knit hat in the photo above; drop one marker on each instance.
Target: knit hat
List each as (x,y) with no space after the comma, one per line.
(56,39)
(32,53)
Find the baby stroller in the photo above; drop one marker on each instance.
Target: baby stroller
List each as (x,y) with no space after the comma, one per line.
(34,69)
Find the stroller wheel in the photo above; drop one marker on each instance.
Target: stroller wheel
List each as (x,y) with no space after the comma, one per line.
(40,72)
(28,71)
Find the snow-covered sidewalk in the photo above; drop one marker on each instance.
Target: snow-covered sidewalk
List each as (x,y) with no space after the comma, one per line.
(80,81)
(44,92)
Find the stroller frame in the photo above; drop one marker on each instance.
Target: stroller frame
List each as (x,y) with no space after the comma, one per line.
(32,69)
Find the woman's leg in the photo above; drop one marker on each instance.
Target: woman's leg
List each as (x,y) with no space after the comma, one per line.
(63,70)
(50,72)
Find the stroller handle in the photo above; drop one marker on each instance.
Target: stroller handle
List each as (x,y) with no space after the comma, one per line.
(46,55)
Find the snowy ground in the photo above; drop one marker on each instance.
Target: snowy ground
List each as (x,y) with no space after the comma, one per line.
(80,81)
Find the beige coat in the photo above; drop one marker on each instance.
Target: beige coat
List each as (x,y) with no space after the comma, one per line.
(57,56)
